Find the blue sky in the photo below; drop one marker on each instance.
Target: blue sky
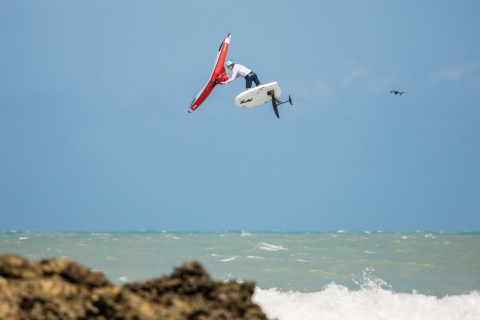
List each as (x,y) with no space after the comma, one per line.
(95,134)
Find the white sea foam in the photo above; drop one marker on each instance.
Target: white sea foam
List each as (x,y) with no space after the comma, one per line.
(123,279)
(23,238)
(337,302)
(256,257)
(245,234)
(271,247)
(229,259)
(374,300)
(305,261)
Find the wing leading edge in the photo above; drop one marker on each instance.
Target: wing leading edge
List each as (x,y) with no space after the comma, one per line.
(218,75)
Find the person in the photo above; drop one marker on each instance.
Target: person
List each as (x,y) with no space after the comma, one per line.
(239,70)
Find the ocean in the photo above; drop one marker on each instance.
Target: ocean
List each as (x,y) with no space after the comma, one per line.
(299,276)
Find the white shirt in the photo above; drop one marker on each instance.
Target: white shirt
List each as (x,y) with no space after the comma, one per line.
(238,71)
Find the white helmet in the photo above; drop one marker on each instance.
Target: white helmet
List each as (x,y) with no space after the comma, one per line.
(229,63)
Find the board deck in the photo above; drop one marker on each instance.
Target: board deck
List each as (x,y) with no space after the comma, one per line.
(257,96)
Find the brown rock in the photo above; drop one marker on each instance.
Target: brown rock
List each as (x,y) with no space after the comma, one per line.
(61,289)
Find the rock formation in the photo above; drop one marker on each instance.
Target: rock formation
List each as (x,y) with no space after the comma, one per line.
(63,289)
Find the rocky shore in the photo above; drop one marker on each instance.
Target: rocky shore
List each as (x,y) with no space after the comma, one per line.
(64,289)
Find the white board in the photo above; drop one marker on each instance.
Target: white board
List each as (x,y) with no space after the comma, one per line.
(257,96)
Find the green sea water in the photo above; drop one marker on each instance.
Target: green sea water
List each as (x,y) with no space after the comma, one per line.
(430,263)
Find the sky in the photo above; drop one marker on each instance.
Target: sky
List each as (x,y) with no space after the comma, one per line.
(95,133)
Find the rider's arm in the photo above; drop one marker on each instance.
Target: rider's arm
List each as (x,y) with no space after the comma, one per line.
(234,75)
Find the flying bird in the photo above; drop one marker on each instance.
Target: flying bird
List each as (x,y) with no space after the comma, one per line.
(396,92)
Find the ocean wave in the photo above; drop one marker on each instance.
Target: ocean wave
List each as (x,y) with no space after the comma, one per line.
(338,302)
(229,259)
(271,247)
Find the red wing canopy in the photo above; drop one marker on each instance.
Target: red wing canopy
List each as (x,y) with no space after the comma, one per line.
(218,75)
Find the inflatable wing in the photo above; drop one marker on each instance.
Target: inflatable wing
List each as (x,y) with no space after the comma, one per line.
(218,75)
